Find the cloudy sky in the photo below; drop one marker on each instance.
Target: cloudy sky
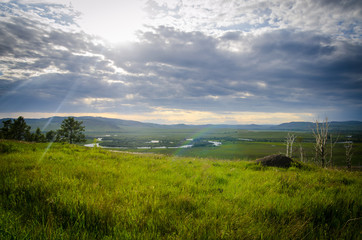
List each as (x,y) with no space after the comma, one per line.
(186,61)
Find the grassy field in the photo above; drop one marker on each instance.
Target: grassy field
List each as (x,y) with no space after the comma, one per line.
(235,144)
(139,136)
(69,192)
(254,150)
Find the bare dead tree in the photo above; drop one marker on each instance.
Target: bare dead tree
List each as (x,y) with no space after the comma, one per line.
(301,150)
(321,137)
(290,141)
(332,143)
(349,145)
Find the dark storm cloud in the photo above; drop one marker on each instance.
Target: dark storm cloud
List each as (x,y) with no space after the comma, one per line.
(54,91)
(291,64)
(293,45)
(188,61)
(343,4)
(168,46)
(24,39)
(231,36)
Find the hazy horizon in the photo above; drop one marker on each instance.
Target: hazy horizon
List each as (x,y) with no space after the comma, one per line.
(182,62)
(180,123)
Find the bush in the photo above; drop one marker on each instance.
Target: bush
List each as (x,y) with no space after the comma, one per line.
(7,147)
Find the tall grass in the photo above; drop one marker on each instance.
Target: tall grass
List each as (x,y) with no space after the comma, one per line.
(255,150)
(72,192)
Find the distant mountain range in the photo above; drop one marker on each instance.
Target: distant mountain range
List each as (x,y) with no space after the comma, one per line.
(99,124)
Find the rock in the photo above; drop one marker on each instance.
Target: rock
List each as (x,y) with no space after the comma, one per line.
(277,160)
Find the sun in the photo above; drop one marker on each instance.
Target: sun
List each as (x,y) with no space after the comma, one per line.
(116,21)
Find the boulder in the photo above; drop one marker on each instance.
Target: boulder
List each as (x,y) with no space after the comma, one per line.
(277,160)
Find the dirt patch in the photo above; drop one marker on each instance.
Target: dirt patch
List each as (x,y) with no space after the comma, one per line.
(277,160)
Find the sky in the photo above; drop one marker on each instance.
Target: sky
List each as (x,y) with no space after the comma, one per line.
(186,61)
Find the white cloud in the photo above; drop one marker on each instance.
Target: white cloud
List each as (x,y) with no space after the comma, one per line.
(215,17)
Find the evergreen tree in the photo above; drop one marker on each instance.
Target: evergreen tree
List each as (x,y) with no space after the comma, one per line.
(71,131)
(5,130)
(50,136)
(16,129)
(38,136)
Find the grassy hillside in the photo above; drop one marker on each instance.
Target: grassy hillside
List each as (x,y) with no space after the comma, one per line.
(71,192)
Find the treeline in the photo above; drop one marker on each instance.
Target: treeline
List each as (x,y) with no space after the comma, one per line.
(17,129)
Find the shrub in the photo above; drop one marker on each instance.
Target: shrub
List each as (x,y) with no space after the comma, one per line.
(7,147)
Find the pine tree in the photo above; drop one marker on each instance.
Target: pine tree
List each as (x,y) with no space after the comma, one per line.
(71,131)
(16,129)
(38,136)
(50,136)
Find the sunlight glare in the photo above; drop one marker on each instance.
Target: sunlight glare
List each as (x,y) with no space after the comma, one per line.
(115,21)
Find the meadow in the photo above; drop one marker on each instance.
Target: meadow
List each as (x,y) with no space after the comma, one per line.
(236,143)
(62,191)
(255,150)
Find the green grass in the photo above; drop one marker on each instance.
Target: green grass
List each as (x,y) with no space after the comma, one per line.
(254,150)
(72,192)
(232,148)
